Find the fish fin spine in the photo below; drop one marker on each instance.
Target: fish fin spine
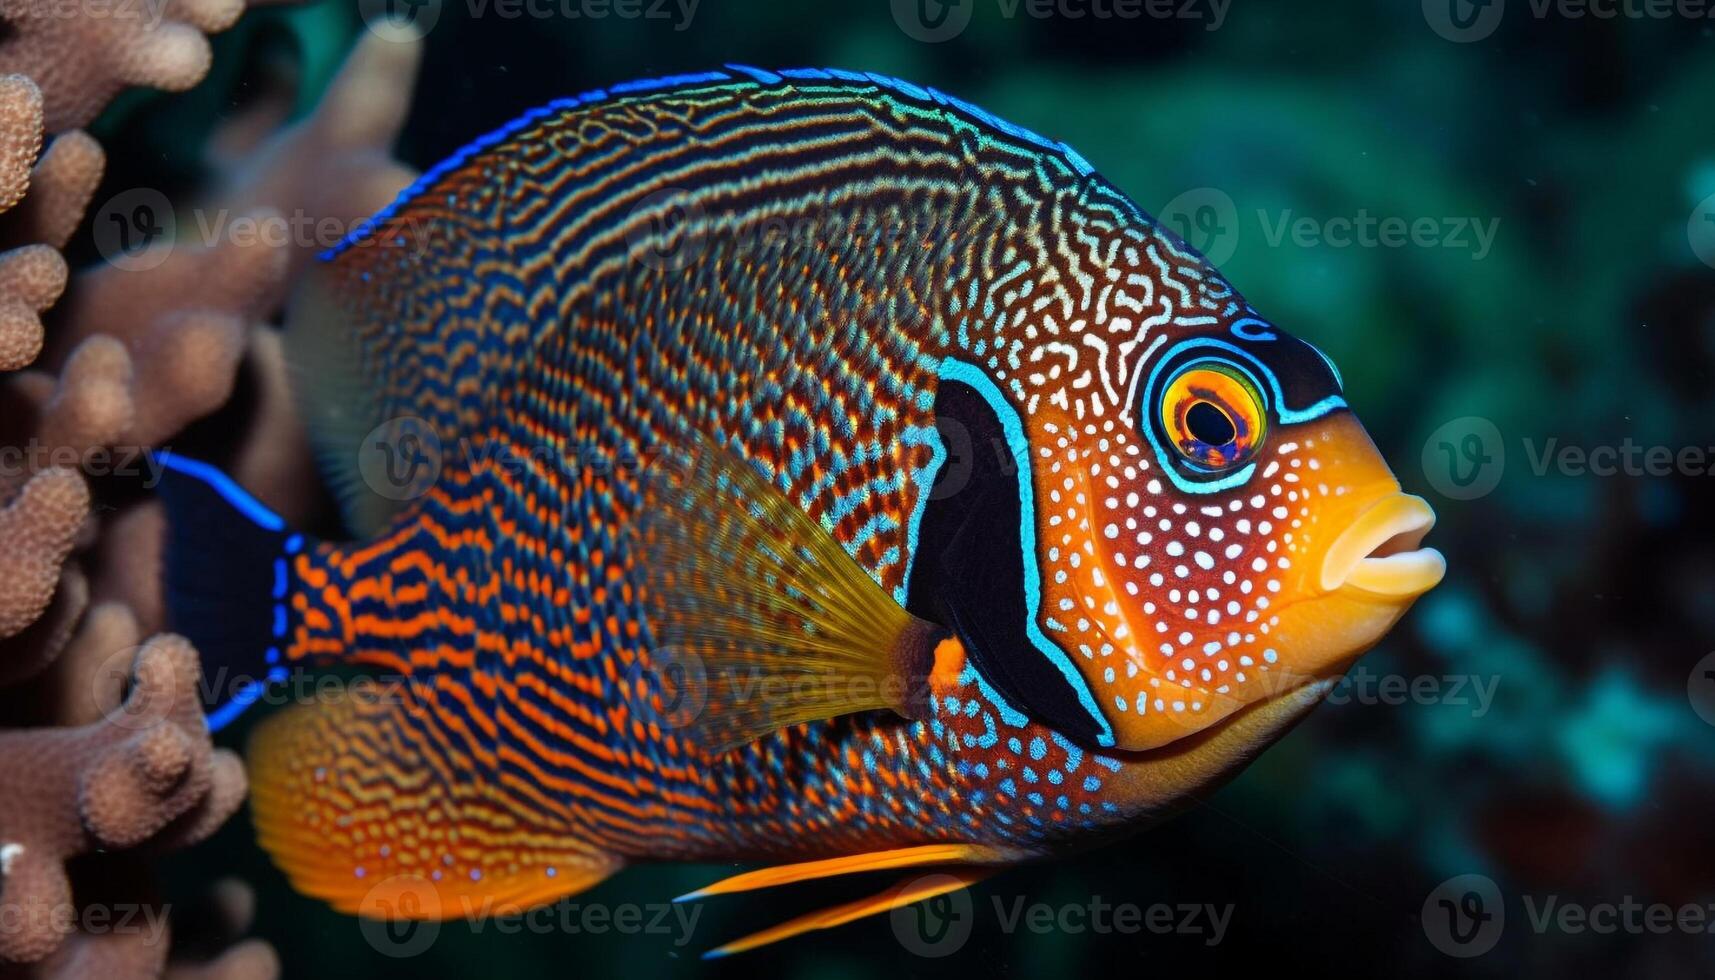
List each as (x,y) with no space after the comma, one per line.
(910,891)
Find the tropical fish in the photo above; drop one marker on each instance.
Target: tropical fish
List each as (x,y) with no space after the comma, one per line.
(804,468)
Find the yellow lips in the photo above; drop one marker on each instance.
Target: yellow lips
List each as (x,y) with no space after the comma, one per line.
(1378,552)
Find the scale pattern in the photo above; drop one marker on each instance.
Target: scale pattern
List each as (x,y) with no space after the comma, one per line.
(784,263)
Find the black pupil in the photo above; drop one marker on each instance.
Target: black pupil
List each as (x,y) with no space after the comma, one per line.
(1209,425)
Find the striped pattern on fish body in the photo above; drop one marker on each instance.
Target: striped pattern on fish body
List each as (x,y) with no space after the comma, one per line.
(796,268)
(821,368)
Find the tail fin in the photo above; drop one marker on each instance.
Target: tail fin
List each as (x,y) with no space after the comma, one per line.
(229,582)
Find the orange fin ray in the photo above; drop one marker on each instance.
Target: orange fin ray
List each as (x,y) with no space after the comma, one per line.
(908,892)
(904,857)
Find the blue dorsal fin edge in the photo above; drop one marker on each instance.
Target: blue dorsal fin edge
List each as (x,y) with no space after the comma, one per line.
(733,75)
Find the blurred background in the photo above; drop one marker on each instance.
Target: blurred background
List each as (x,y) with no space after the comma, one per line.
(1499,220)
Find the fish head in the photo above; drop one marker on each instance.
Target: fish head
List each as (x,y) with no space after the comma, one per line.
(1222,534)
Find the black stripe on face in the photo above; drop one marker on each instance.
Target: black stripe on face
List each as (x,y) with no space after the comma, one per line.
(968,571)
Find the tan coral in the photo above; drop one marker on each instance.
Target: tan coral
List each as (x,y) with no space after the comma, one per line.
(20,136)
(62,181)
(37,531)
(125,565)
(131,358)
(335,168)
(81,63)
(31,279)
(185,323)
(146,774)
(61,185)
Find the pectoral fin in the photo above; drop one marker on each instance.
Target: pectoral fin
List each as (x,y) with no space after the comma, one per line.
(772,621)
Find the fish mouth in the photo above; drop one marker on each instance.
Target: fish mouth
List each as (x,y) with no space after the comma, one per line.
(1380,553)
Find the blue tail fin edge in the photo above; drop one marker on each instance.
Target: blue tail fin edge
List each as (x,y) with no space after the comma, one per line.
(229,582)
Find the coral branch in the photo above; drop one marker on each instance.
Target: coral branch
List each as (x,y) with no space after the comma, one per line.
(146,773)
(20,136)
(31,279)
(336,166)
(81,63)
(37,532)
(61,185)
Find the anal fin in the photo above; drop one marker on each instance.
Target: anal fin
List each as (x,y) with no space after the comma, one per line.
(363,805)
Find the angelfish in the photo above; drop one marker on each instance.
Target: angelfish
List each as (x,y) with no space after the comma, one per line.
(804,468)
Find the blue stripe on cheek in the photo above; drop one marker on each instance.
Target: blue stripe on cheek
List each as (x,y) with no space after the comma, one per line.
(925,480)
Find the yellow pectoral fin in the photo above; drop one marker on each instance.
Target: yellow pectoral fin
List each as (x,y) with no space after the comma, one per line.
(767,621)
(906,893)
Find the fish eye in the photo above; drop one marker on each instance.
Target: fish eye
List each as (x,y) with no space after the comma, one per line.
(1213,415)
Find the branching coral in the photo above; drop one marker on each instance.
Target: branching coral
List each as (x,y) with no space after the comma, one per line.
(82,62)
(129,358)
(336,167)
(39,529)
(100,753)
(145,774)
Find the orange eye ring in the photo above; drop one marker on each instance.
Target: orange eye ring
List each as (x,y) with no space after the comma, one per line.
(1213,415)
